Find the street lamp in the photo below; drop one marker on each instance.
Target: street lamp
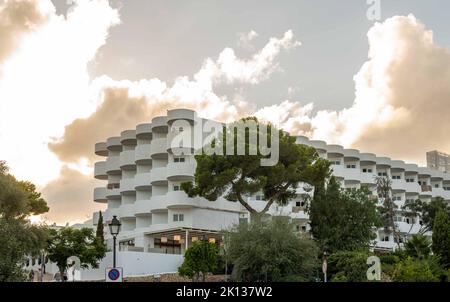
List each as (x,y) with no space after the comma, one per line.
(114,229)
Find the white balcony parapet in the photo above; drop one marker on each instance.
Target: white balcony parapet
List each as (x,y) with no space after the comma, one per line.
(144,131)
(181,114)
(143,181)
(159,176)
(142,154)
(113,165)
(100,195)
(158,148)
(180,171)
(113,193)
(127,160)
(101,149)
(110,212)
(158,204)
(127,186)
(128,138)
(114,144)
(159,124)
(127,211)
(100,170)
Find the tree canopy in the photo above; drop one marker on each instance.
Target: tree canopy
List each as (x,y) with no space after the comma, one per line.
(270,250)
(201,258)
(343,220)
(235,176)
(441,237)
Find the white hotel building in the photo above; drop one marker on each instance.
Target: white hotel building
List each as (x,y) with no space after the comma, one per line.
(143,188)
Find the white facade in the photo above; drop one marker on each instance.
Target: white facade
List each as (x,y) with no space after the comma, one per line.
(143,188)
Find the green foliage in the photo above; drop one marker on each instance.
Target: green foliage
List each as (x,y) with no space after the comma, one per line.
(19,199)
(99,234)
(271,251)
(348,266)
(18,238)
(68,242)
(417,270)
(236,176)
(441,237)
(418,247)
(343,219)
(428,211)
(201,258)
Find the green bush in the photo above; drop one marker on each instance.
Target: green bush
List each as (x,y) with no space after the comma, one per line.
(417,270)
(348,266)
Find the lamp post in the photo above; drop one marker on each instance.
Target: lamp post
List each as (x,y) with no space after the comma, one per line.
(114,229)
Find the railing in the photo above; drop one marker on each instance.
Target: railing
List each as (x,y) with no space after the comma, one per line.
(426,188)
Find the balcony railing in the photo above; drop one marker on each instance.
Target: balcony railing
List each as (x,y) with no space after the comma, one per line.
(426,188)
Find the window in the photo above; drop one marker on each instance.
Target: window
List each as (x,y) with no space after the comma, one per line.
(179,159)
(436,185)
(396,177)
(351,166)
(385,238)
(410,180)
(367,170)
(382,174)
(178,217)
(176,188)
(300,204)
(336,163)
(259,197)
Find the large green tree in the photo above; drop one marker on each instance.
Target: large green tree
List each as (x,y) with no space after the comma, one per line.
(236,176)
(68,242)
(388,208)
(441,237)
(427,211)
(271,250)
(99,234)
(18,238)
(343,220)
(199,260)
(418,246)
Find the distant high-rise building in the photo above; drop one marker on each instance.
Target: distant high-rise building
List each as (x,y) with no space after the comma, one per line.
(438,161)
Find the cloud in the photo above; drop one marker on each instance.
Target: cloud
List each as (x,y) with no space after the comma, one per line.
(70,197)
(123,104)
(244,39)
(402,96)
(18,18)
(44,83)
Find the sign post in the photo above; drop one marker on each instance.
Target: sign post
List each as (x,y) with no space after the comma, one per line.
(114,274)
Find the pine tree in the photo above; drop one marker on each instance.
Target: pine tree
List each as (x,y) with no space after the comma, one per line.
(441,237)
(99,234)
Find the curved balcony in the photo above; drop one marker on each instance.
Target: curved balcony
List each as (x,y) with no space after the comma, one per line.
(158,204)
(127,160)
(320,146)
(353,175)
(159,176)
(142,154)
(351,154)
(411,169)
(426,191)
(335,150)
(425,172)
(181,114)
(113,144)
(180,200)
(301,140)
(101,149)
(113,193)
(142,181)
(100,170)
(397,165)
(110,212)
(446,195)
(159,124)
(158,148)
(180,171)
(127,186)
(127,210)
(338,171)
(438,192)
(412,187)
(128,138)
(100,195)
(174,139)
(143,207)
(384,162)
(113,165)
(144,131)
(368,178)
(398,185)
(368,158)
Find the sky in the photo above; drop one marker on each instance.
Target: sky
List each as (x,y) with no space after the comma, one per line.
(73,73)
